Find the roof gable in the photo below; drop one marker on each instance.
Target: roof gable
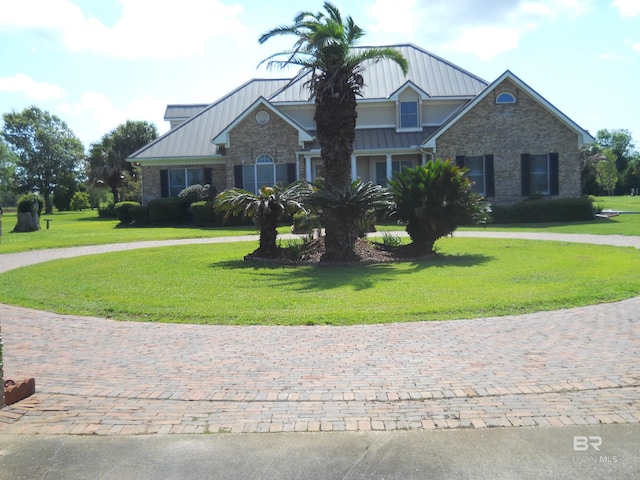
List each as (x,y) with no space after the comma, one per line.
(583,135)
(193,137)
(223,137)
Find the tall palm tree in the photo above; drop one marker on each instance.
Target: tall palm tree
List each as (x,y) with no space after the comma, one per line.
(325,49)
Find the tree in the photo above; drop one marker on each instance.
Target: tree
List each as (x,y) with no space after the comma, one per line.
(46,149)
(620,143)
(606,171)
(8,161)
(325,49)
(433,200)
(270,206)
(108,164)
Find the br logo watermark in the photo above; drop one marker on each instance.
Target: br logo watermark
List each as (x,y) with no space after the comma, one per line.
(590,445)
(583,443)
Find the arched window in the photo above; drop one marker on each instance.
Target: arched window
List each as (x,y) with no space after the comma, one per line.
(264,173)
(506,97)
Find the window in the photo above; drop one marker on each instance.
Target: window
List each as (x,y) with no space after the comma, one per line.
(408,114)
(505,97)
(181,178)
(264,173)
(396,166)
(480,172)
(539,174)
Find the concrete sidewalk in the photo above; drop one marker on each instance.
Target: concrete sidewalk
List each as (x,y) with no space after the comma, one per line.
(522,453)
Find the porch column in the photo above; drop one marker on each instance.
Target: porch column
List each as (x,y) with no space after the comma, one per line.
(389,167)
(424,158)
(307,167)
(354,167)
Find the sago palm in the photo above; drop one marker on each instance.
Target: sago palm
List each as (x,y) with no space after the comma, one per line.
(267,208)
(325,50)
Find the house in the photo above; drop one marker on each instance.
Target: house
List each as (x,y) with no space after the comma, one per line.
(513,142)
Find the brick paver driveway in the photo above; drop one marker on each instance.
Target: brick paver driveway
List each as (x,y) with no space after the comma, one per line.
(97,376)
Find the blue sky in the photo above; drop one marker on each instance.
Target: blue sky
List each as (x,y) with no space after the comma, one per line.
(97,63)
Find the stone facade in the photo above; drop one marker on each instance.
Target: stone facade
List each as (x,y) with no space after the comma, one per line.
(508,130)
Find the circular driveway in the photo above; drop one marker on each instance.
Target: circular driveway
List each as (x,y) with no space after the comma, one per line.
(579,366)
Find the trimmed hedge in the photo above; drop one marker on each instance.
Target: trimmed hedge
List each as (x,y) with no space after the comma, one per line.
(168,211)
(203,214)
(539,211)
(122,211)
(139,215)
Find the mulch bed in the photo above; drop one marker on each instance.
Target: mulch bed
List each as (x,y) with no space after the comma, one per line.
(366,253)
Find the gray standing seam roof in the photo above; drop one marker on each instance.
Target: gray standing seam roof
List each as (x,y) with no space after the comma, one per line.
(435,76)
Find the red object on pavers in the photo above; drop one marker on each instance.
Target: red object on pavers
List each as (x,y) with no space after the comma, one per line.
(18,391)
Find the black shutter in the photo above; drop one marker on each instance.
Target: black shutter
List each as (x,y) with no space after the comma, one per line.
(525,171)
(208,176)
(291,172)
(237,176)
(460,161)
(164,183)
(554,177)
(489,181)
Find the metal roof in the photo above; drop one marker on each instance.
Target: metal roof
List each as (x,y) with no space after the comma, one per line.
(175,112)
(193,137)
(433,75)
(372,139)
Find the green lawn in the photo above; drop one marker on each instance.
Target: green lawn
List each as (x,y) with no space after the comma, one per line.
(211,284)
(70,229)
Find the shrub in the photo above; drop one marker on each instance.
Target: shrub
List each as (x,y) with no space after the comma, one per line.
(122,210)
(537,211)
(434,200)
(167,211)
(30,202)
(139,215)
(80,201)
(203,214)
(107,210)
(197,193)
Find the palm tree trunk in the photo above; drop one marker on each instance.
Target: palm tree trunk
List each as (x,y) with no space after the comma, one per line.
(336,122)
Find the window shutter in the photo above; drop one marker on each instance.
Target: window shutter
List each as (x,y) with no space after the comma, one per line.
(237,176)
(460,161)
(291,172)
(489,182)
(554,177)
(525,171)
(208,176)
(164,183)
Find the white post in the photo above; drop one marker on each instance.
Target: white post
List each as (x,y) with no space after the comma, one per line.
(307,167)
(354,167)
(389,167)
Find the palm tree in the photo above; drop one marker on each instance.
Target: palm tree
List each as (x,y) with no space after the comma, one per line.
(267,208)
(325,51)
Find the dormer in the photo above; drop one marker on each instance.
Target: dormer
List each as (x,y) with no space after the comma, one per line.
(408,100)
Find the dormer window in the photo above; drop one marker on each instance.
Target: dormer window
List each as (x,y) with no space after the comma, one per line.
(505,97)
(408,114)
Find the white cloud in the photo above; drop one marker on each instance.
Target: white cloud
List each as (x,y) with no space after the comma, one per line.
(485,29)
(628,8)
(32,89)
(486,42)
(146,29)
(95,114)
(397,16)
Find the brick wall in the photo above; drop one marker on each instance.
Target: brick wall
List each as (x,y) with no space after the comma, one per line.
(250,139)
(508,130)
